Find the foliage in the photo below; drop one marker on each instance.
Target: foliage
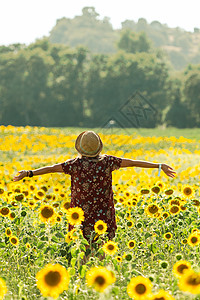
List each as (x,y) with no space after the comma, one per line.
(98,35)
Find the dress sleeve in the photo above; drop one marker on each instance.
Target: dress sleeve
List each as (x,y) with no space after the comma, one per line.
(114,162)
(68,166)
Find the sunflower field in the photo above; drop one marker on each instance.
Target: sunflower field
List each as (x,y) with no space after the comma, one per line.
(155,253)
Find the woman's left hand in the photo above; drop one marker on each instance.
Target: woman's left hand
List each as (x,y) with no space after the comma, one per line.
(168,170)
(21,175)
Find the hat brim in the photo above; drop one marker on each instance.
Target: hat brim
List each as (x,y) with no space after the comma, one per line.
(77,146)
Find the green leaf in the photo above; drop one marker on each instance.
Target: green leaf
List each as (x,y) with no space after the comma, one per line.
(147,235)
(54,239)
(40,245)
(82,247)
(83,271)
(60,235)
(82,254)
(85,242)
(2,245)
(73,262)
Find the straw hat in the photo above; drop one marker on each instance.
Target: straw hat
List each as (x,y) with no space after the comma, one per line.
(89,143)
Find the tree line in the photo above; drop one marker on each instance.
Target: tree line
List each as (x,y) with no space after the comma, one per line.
(46,84)
(181,47)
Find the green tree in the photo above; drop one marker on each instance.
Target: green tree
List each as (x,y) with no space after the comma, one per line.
(192,94)
(132,42)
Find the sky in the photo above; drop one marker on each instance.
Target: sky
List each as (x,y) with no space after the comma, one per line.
(24,21)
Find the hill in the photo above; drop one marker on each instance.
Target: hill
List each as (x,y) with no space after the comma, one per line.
(181,47)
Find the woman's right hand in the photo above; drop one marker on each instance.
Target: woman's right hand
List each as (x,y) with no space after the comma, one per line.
(21,175)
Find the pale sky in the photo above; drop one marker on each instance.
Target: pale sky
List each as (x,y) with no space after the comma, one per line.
(23,21)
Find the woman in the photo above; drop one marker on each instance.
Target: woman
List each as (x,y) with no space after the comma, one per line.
(91,180)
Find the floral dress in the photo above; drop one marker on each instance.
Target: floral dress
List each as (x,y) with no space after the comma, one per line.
(91,189)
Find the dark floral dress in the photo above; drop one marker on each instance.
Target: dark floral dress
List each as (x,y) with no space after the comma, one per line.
(91,189)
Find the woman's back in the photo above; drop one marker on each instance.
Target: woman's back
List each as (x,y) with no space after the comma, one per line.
(91,189)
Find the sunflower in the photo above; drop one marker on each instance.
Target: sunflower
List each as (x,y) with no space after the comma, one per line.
(174,202)
(169,192)
(139,288)
(168,236)
(155,189)
(193,239)
(3,288)
(165,215)
(144,191)
(130,223)
(75,215)
(131,244)
(32,204)
(184,241)
(40,194)
(52,280)
(174,209)
(100,227)
(190,282)
(47,214)
(164,264)
(187,191)
(19,197)
(118,258)
(162,295)
(58,219)
(8,232)
(11,215)
(28,246)
(182,207)
(1,190)
(196,202)
(152,209)
(14,240)
(99,278)
(127,256)
(180,268)
(72,235)
(110,248)
(4,211)
(65,206)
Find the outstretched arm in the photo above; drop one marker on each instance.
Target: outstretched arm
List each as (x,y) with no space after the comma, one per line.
(41,171)
(145,164)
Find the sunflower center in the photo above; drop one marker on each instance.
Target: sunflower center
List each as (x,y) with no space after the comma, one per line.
(169,192)
(67,205)
(193,239)
(181,268)
(159,298)
(140,288)
(131,244)
(100,280)
(193,280)
(153,209)
(13,241)
(187,191)
(156,189)
(47,212)
(52,278)
(5,211)
(19,197)
(100,227)
(111,247)
(174,209)
(75,216)
(168,236)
